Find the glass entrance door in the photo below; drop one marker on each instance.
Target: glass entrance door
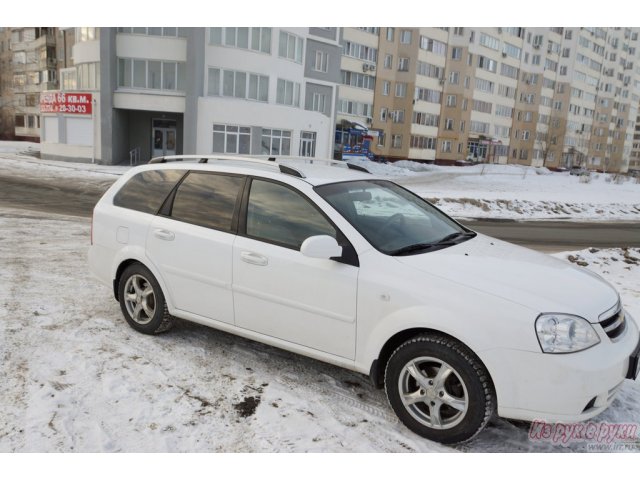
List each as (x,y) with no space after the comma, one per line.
(163,137)
(164,141)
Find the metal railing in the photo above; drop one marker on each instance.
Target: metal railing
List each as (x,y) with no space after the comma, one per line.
(134,156)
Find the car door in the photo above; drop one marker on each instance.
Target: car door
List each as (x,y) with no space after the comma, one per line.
(192,242)
(278,291)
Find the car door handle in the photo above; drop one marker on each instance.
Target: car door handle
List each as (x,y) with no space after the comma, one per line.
(254,259)
(164,234)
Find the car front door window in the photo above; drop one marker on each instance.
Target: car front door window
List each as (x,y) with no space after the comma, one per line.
(277,214)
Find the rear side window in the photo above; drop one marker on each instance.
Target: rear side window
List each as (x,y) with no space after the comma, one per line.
(146,191)
(208,200)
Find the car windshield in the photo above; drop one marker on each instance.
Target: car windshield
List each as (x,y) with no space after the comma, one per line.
(394,220)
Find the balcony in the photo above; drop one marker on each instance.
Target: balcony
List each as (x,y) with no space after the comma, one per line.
(45,40)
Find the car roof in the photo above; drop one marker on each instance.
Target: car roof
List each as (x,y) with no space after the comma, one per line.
(310,170)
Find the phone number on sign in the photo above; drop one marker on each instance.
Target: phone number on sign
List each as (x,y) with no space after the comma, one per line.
(72,109)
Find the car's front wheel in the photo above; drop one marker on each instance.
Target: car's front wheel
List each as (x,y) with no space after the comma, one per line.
(439,389)
(142,301)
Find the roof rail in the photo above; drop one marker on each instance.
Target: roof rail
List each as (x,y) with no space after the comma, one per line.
(322,161)
(229,158)
(288,168)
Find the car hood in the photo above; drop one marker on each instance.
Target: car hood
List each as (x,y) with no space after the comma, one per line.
(520,275)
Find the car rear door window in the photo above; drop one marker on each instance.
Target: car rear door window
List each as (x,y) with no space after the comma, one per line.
(208,200)
(278,214)
(146,191)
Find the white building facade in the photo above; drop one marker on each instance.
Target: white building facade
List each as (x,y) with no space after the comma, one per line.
(166,91)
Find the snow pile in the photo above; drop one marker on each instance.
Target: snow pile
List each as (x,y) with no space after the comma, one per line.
(516,191)
(77,378)
(19,147)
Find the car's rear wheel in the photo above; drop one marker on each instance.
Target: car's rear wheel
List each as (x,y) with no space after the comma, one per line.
(439,389)
(142,301)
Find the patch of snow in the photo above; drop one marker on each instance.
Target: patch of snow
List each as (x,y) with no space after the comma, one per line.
(516,191)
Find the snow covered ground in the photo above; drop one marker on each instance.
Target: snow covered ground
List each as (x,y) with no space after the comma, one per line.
(517,192)
(76,378)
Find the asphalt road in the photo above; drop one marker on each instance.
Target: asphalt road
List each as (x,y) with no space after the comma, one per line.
(74,197)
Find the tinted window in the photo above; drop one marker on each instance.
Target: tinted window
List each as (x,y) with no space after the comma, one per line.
(147,190)
(207,200)
(278,214)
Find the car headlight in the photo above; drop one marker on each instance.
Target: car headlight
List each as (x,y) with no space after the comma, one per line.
(560,333)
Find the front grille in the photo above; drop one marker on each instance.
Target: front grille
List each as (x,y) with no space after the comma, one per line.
(615,325)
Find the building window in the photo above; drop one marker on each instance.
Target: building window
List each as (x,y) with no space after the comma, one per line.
(290,47)
(451,100)
(446,146)
(307,144)
(231,139)
(276,142)
(148,74)
(401,89)
(405,37)
(456,53)
(354,108)
(448,124)
(390,34)
(88,76)
(428,95)
(154,31)
(428,119)
(489,41)
(288,93)
(362,52)
(487,63)
(388,61)
(322,61)
(261,39)
(386,87)
(396,141)
(397,116)
(319,102)
(422,142)
(403,64)
(359,80)
(383,114)
(433,46)
(86,34)
(454,77)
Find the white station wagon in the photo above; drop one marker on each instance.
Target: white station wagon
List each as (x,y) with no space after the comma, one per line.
(325,260)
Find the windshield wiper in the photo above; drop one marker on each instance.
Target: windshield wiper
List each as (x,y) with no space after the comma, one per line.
(448,240)
(413,248)
(454,236)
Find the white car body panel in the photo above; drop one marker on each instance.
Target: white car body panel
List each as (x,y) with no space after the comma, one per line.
(306,301)
(195,265)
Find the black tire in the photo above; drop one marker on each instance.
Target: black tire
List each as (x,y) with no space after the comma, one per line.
(462,403)
(153,316)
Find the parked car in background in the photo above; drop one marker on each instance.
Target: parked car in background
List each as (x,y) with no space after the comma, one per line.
(325,260)
(576,170)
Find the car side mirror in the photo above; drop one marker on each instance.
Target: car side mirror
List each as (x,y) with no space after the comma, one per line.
(321,246)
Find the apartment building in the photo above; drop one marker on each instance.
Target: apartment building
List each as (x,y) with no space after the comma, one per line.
(6,85)
(34,64)
(534,96)
(634,161)
(133,93)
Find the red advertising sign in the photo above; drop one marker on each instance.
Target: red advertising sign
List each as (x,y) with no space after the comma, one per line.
(66,102)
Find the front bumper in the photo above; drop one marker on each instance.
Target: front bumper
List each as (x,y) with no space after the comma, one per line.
(561,387)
